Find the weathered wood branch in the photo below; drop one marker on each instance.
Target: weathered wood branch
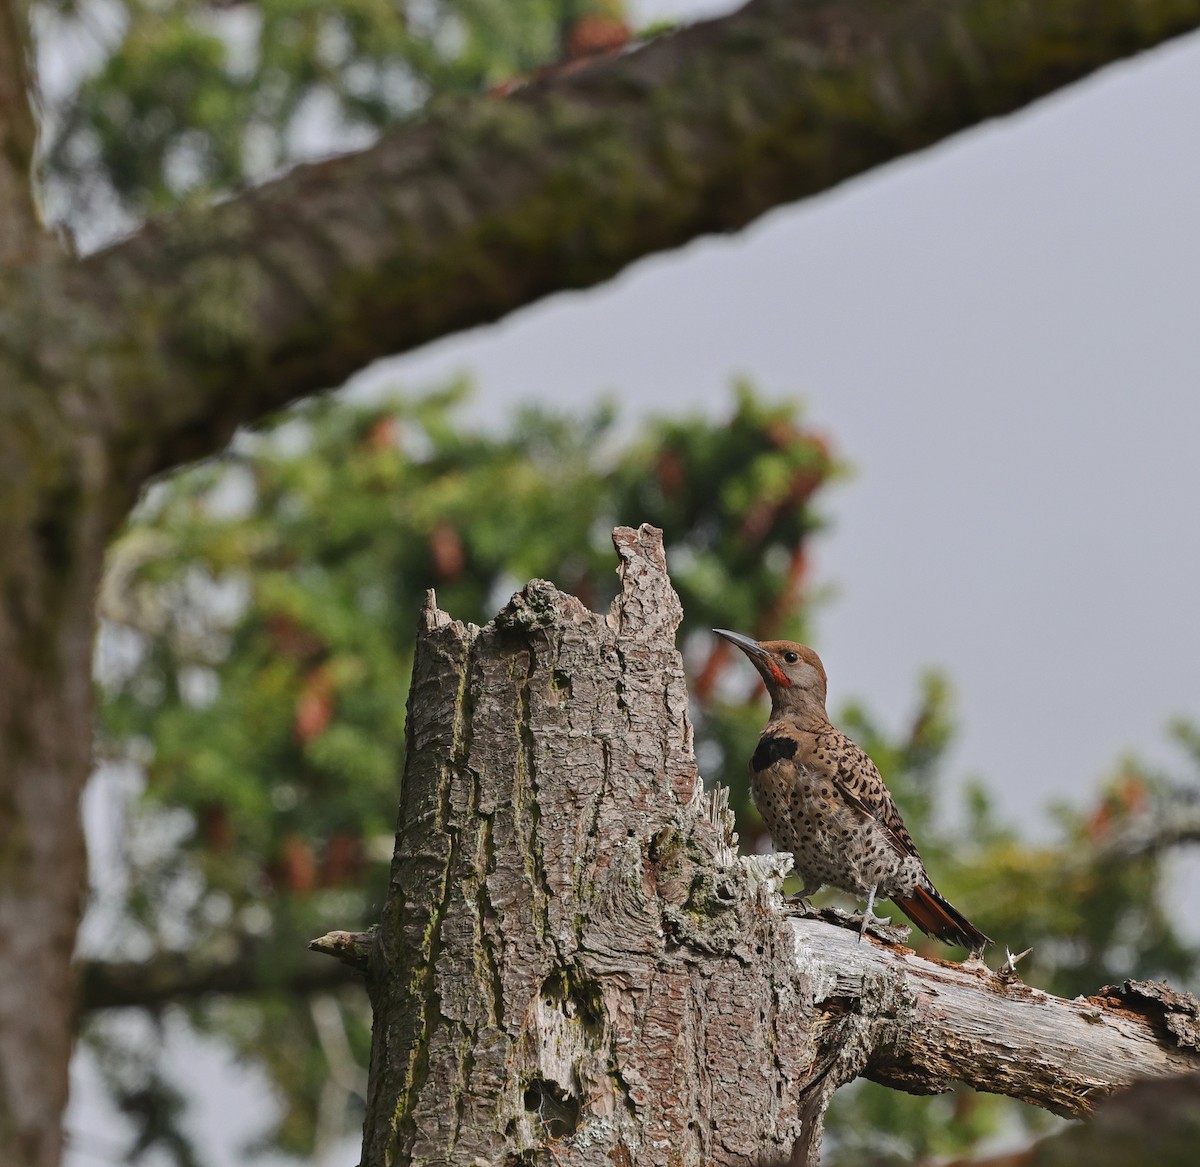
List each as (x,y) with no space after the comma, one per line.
(248,971)
(209,320)
(938,1022)
(352,949)
(576,967)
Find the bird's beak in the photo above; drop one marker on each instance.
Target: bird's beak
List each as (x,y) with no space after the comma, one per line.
(745,643)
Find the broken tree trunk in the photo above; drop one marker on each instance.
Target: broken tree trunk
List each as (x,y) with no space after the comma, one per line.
(574,966)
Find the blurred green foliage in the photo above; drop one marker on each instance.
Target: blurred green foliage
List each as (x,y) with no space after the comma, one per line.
(192,97)
(272,595)
(259,614)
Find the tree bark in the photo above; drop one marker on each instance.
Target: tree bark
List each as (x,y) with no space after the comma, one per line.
(46,730)
(58,508)
(20,229)
(574,966)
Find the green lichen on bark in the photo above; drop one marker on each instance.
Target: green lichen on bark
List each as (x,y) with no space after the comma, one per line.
(213,314)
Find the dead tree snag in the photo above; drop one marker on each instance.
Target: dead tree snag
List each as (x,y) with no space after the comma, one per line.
(574,965)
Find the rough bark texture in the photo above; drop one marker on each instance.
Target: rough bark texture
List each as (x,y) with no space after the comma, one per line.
(52,563)
(58,509)
(922,1024)
(46,728)
(567,953)
(575,967)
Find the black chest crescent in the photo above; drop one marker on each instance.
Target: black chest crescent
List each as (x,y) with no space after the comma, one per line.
(771,750)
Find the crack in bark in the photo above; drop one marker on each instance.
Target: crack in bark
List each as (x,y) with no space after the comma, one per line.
(528,766)
(427,986)
(488,915)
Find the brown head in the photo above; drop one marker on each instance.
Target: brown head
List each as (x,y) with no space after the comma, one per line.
(792,672)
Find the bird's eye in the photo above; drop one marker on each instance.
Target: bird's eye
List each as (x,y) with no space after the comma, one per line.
(791,657)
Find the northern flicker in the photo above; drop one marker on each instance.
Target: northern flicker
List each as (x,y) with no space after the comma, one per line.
(823,800)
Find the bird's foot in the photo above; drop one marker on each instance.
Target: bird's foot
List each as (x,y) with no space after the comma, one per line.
(880,927)
(867,915)
(800,903)
(870,923)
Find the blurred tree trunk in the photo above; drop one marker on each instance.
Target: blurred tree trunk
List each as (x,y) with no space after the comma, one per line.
(574,965)
(51,568)
(127,363)
(57,512)
(18,137)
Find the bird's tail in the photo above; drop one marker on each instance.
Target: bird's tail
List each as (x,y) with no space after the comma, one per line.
(937,917)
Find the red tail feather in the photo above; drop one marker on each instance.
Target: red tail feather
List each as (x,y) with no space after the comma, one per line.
(936,917)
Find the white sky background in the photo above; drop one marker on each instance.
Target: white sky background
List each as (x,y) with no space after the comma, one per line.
(1003,335)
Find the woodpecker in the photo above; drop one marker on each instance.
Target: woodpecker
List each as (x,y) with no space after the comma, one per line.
(823,800)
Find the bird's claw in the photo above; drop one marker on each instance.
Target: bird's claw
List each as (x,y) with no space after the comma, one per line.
(869,916)
(871,923)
